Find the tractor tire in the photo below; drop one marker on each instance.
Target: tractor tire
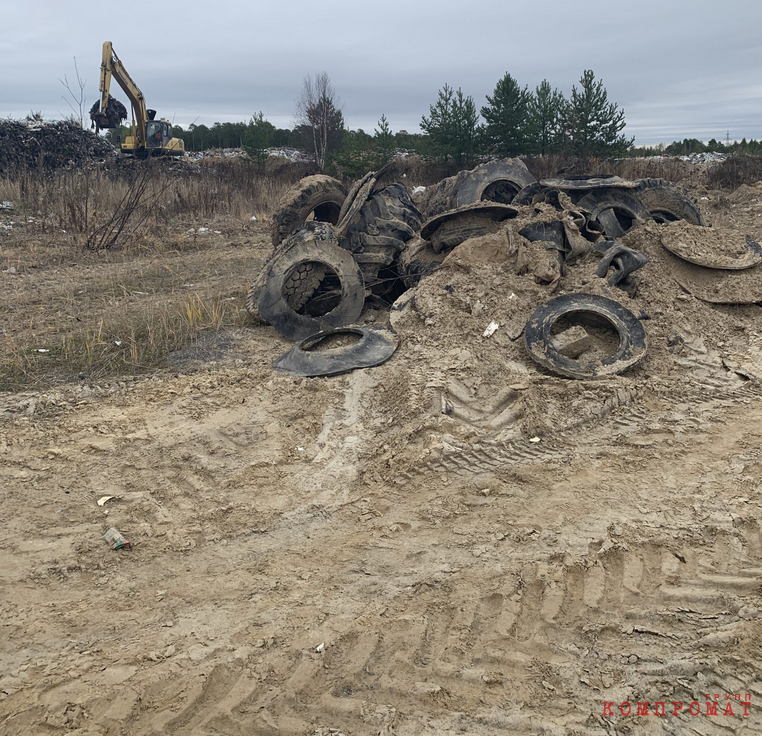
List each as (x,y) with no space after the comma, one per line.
(386,222)
(288,282)
(418,259)
(303,281)
(318,196)
(667,203)
(497,181)
(298,288)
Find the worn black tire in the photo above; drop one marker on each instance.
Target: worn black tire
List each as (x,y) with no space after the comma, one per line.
(303,281)
(632,337)
(616,210)
(666,202)
(300,285)
(281,282)
(386,222)
(376,346)
(319,195)
(497,181)
(529,194)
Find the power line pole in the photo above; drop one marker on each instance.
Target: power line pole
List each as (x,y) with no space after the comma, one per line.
(727,138)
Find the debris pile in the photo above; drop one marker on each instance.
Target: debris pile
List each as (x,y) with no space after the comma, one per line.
(215,153)
(515,290)
(706,157)
(291,154)
(36,144)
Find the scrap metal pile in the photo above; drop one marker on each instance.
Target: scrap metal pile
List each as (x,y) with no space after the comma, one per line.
(333,250)
(36,144)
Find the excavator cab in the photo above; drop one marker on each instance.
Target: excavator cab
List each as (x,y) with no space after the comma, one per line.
(159,140)
(158,134)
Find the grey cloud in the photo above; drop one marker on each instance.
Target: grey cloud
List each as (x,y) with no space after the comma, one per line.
(687,68)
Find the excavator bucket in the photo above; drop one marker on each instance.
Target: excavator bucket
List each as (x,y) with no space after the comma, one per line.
(111,117)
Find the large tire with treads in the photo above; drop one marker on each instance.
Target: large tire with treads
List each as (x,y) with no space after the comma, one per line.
(319,195)
(667,203)
(498,181)
(385,223)
(280,291)
(303,281)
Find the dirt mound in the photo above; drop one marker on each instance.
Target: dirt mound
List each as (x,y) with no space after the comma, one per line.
(37,144)
(746,194)
(452,367)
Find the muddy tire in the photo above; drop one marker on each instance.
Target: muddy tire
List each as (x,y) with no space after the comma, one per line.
(496,181)
(318,196)
(632,337)
(298,288)
(251,304)
(289,281)
(386,222)
(302,283)
(615,210)
(529,195)
(376,345)
(418,259)
(667,203)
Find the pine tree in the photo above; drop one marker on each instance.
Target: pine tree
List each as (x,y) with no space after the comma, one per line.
(593,125)
(507,129)
(546,109)
(452,129)
(257,138)
(384,140)
(355,157)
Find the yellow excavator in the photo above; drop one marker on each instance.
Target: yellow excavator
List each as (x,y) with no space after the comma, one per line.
(148,136)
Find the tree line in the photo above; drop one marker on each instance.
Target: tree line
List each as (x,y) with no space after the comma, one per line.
(692,145)
(515,121)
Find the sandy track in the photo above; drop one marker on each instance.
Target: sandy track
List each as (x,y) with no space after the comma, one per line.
(518,596)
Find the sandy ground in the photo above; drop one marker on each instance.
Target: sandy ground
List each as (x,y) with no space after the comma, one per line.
(337,556)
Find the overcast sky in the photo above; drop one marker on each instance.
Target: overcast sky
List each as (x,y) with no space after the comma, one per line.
(679,68)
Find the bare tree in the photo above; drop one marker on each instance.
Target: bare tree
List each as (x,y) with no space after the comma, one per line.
(75,96)
(318,112)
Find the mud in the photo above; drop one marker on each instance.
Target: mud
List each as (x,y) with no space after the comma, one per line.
(452,542)
(718,248)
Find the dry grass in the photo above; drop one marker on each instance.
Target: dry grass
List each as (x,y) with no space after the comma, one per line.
(66,312)
(116,346)
(122,313)
(735,171)
(674,170)
(80,204)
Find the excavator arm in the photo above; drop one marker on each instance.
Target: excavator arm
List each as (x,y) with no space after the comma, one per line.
(109,112)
